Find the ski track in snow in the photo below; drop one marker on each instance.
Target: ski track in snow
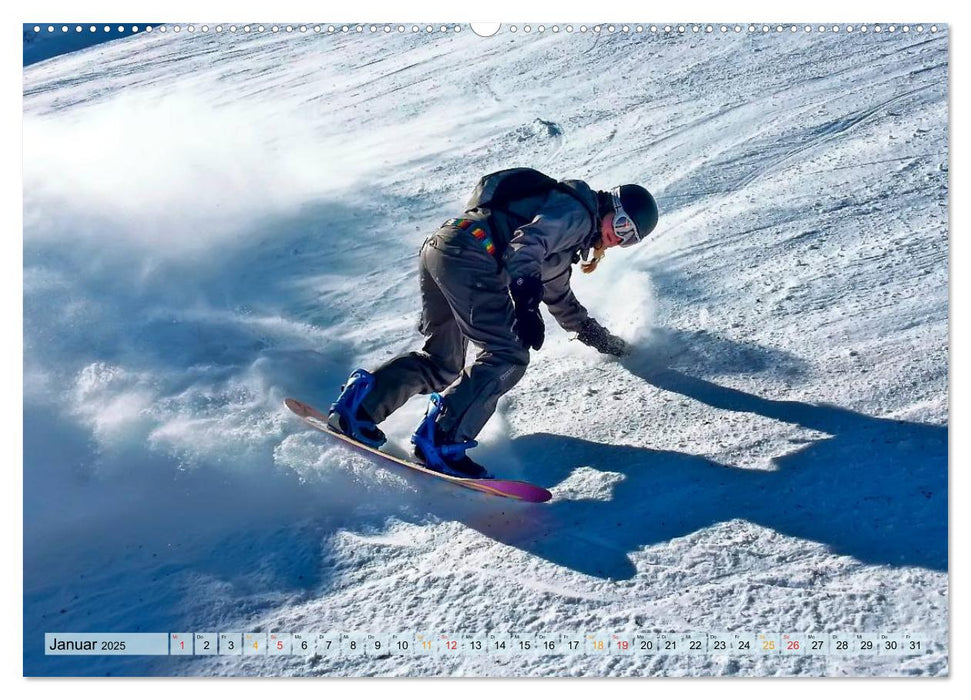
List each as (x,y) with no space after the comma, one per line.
(212,223)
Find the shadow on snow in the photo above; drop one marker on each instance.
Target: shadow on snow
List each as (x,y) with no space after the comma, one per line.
(876,489)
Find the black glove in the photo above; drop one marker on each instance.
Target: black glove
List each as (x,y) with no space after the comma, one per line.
(596,336)
(527,293)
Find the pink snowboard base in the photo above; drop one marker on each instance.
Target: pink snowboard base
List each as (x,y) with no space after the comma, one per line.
(518,490)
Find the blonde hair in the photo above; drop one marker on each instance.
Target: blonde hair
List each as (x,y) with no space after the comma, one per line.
(598,254)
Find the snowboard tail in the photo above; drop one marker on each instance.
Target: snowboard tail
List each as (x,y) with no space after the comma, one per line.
(517,490)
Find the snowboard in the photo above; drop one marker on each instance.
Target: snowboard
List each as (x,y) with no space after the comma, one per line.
(517,490)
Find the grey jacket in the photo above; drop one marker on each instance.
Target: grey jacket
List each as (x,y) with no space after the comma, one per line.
(560,233)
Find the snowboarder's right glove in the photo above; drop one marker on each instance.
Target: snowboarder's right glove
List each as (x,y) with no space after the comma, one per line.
(599,338)
(527,293)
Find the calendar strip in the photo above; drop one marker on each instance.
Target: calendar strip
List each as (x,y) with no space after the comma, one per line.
(504,644)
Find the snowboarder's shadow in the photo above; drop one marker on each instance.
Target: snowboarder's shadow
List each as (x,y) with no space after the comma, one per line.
(876,489)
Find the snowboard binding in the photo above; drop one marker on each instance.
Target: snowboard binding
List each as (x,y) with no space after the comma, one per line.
(347,416)
(438,455)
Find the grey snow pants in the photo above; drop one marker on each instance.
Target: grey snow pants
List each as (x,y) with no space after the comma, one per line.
(465,297)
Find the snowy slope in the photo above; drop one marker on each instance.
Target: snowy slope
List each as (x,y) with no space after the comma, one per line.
(213,223)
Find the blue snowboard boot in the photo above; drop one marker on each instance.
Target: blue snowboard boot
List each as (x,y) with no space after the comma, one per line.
(348,417)
(432,450)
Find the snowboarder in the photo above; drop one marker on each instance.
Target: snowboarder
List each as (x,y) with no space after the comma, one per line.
(482,278)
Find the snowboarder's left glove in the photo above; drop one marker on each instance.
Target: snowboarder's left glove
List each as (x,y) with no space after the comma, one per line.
(527,293)
(599,338)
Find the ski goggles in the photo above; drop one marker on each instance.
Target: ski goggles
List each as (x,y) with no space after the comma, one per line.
(624,225)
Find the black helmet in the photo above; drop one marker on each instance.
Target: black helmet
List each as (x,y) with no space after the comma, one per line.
(635,213)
